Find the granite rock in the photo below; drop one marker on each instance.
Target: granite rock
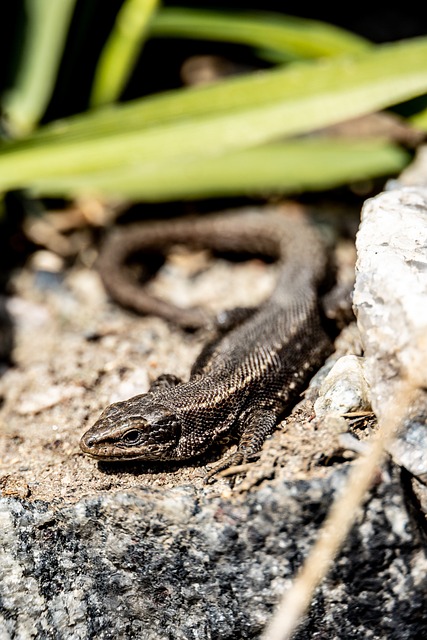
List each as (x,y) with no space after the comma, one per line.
(181,565)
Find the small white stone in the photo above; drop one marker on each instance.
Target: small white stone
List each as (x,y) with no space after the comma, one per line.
(344,389)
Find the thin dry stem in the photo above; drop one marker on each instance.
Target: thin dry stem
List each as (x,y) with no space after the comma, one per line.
(338,523)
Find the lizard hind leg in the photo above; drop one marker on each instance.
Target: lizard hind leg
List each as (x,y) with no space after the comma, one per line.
(256,427)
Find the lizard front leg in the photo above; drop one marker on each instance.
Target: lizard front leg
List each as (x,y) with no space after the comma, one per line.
(254,428)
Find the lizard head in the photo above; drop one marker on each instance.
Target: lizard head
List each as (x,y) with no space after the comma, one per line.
(140,428)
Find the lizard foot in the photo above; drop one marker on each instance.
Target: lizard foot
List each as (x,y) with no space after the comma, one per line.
(231,466)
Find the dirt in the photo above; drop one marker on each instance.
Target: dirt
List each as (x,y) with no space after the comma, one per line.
(76,352)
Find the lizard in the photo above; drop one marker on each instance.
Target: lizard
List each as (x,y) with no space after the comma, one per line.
(259,361)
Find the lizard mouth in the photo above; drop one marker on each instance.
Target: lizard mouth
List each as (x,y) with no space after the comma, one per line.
(91,445)
(110,457)
(104,450)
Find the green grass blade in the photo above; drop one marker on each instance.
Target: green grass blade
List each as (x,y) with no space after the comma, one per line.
(121,50)
(292,37)
(47,28)
(376,79)
(191,128)
(289,167)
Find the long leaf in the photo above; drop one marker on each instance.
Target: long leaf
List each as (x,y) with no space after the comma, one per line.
(303,98)
(121,50)
(290,36)
(289,167)
(381,77)
(46,32)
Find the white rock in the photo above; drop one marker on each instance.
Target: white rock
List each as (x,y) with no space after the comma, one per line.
(344,389)
(390,301)
(390,296)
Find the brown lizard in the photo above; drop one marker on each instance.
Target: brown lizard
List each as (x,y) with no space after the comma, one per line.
(246,377)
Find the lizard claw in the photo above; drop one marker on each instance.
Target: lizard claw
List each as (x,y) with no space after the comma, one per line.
(233,465)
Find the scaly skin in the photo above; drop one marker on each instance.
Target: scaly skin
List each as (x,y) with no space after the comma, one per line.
(244,380)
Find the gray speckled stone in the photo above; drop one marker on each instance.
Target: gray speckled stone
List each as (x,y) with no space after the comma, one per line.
(178,565)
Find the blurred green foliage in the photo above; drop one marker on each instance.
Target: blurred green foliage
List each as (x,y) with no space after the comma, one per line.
(241,135)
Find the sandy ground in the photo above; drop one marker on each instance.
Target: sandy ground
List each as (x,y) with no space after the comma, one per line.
(76,352)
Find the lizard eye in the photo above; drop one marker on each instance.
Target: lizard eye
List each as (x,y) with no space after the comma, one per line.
(131,437)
